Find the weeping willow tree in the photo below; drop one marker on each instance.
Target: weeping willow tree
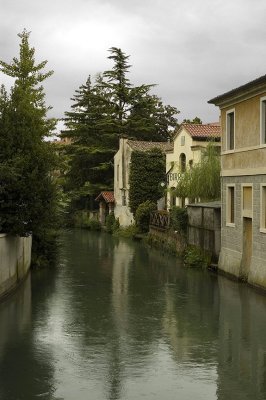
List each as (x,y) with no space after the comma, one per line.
(203,180)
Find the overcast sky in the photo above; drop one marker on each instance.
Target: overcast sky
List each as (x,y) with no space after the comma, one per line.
(193,50)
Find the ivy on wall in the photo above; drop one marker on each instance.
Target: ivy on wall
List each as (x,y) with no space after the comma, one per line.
(147,171)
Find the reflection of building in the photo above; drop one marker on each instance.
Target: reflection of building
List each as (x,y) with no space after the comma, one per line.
(15,315)
(243,118)
(242,346)
(121,174)
(189,142)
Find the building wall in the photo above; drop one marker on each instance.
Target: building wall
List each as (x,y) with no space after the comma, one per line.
(204,227)
(232,237)
(183,143)
(248,153)
(121,183)
(243,248)
(15,260)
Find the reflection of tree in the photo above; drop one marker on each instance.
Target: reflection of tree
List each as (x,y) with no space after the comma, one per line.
(25,371)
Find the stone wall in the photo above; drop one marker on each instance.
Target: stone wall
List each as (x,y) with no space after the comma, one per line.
(204,227)
(15,260)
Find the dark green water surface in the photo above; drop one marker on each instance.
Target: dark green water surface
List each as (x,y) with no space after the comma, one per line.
(116,320)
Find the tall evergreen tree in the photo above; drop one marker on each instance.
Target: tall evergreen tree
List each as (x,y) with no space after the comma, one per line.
(100,115)
(27,191)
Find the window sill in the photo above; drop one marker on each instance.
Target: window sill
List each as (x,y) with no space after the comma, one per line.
(230,224)
(262,230)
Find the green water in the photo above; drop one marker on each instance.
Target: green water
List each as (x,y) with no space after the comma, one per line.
(118,321)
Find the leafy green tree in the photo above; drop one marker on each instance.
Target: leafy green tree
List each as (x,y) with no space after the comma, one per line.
(103,112)
(27,191)
(203,180)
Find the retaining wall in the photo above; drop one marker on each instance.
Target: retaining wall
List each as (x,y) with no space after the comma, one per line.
(204,227)
(15,260)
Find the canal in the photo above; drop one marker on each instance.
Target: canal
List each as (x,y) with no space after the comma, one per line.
(115,320)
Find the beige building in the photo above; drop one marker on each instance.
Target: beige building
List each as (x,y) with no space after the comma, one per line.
(188,144)
(122,161)
(243,236)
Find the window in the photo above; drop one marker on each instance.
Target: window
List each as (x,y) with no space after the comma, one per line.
(263,208)
(247,201)
(263,120)
(124,198)
(117,173)
(182,140)
(230,130)
(182,162)
(230,206)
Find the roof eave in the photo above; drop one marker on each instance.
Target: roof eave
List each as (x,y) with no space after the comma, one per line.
(239,94)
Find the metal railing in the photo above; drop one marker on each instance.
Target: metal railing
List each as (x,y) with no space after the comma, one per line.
(160,219)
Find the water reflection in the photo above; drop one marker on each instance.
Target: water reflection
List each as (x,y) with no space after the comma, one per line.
(119,321)
(26,370)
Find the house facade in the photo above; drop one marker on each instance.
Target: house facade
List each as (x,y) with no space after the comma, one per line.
(243,157)
(188,144)
(122,161)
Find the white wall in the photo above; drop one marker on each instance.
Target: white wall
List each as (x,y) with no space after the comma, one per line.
(15,260)
(121,183)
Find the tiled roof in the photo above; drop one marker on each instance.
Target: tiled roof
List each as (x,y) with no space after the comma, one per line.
(256,83)
(108,197)
(203,131)
(146,146)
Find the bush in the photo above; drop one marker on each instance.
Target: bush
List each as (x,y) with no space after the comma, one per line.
(111,223)
(142,217)
(127,232)
(94,225)
(195,257)
(82,220)
(179,219)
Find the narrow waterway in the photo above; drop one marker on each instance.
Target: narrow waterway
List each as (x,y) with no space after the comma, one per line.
(118,321)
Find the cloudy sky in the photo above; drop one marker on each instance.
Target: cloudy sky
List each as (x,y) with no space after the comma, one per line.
(192,49)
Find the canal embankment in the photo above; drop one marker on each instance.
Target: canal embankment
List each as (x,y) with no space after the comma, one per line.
(15,261)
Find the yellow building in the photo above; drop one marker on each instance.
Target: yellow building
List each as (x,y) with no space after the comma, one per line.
(189,142)
(243,156)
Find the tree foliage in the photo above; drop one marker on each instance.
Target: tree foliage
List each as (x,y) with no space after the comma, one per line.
(195,120)
(27,190)
(147,171)
(101,113)
(203,180)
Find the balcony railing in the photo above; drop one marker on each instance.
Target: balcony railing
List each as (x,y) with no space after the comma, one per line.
(160,219)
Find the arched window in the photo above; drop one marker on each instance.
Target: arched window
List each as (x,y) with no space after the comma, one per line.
(182,162)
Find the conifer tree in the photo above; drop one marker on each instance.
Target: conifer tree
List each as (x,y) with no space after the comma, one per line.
(27,191)
(100,115)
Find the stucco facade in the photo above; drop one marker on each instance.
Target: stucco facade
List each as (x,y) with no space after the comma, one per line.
(188,145)
(122,161)
(243,231)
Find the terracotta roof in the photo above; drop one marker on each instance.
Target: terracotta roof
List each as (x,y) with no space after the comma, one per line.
(146,146)
(256,83)
(203,131)
(108,197)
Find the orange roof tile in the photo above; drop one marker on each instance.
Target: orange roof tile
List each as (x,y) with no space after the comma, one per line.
(203,131)
(108,197)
